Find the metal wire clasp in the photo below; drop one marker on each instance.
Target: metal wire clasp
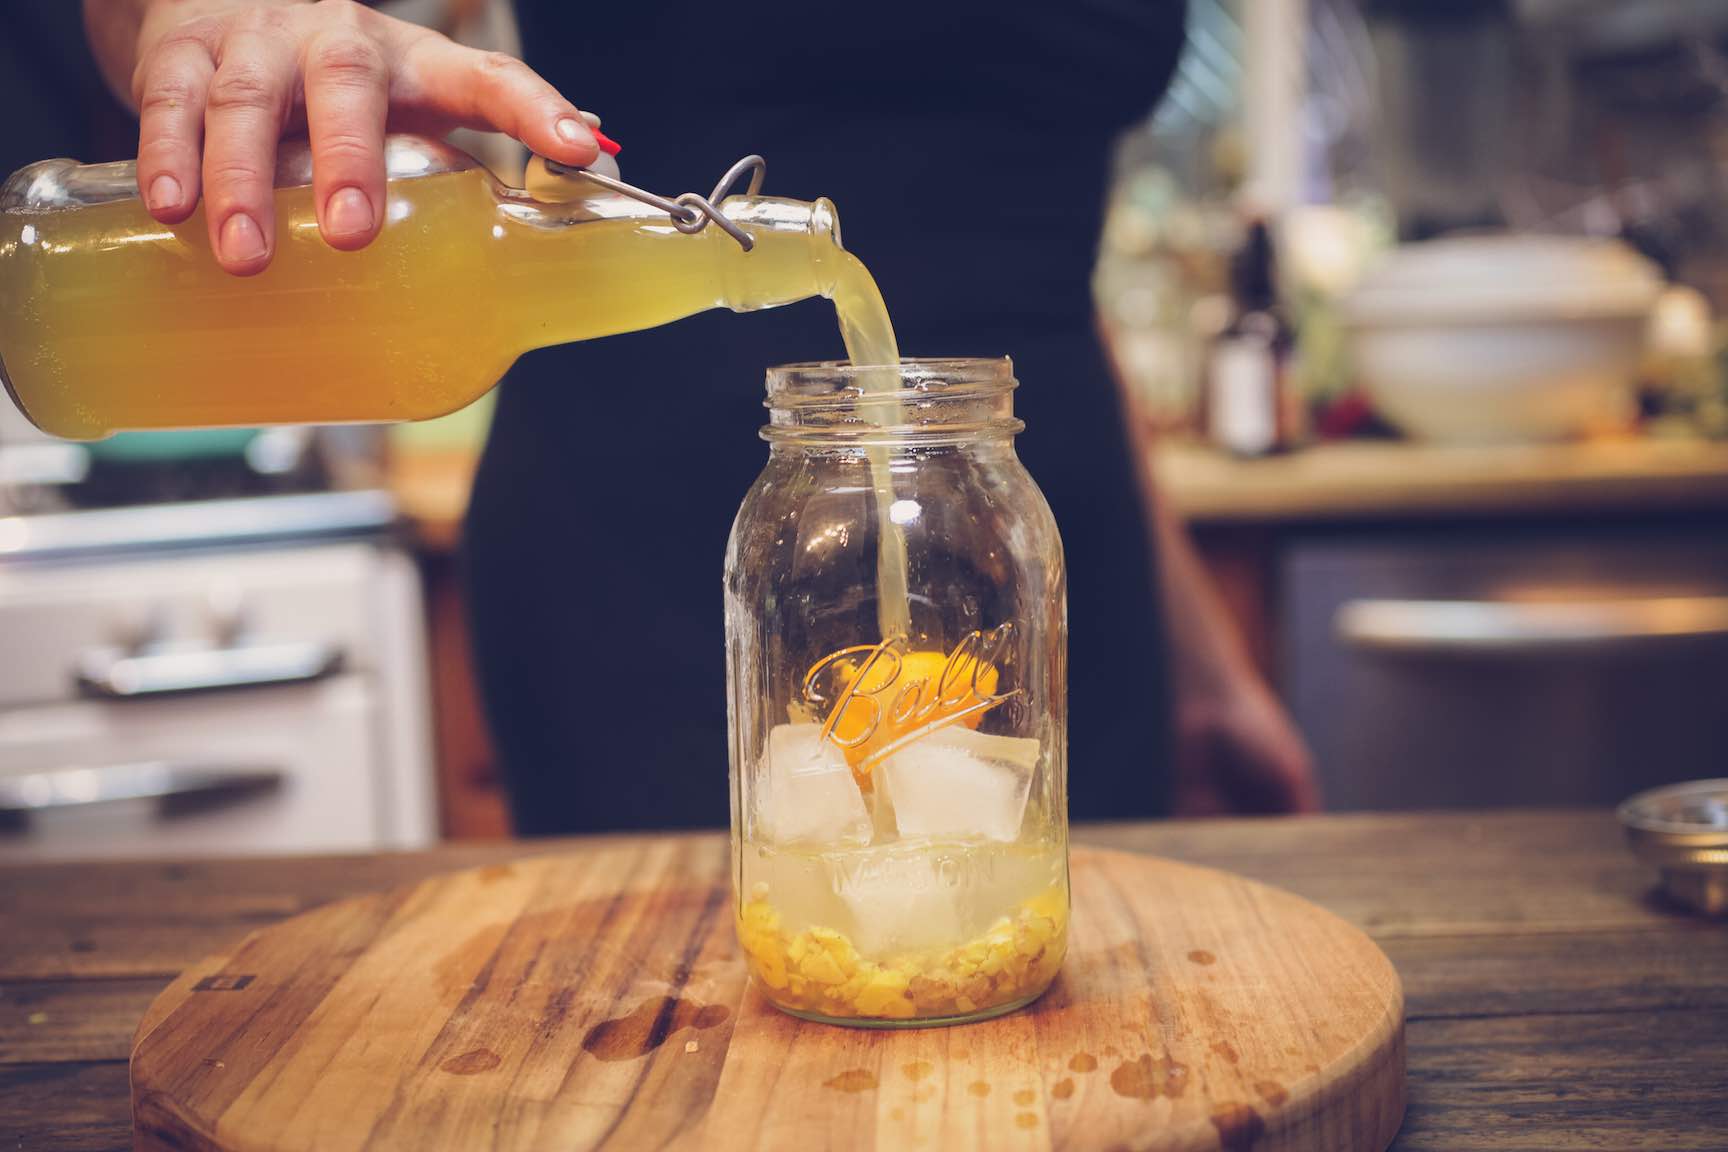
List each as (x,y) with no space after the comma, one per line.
(692,211)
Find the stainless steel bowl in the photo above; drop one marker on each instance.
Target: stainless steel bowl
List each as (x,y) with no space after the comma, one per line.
(1683,830)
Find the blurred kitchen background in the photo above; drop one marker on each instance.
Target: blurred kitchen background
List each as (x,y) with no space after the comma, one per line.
(1419,305)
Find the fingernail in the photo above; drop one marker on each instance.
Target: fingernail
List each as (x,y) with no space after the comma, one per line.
(241,239)
(349,212)
(164,193)
(573,131)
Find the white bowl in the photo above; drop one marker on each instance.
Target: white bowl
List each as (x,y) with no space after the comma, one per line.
(1493,338)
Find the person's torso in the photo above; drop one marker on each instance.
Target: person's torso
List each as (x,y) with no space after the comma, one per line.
(966,146)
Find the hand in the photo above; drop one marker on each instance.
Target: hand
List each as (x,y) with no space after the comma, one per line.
(1238,752)
(217,82)
(1236,749)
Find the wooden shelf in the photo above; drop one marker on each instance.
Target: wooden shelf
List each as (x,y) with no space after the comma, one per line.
(1392,480)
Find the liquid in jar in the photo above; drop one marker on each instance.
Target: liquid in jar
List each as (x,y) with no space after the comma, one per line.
(899,770)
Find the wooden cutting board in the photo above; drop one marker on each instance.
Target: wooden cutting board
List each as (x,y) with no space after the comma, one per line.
(598,1000)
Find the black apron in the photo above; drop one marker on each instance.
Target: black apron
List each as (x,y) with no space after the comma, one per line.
(966,146)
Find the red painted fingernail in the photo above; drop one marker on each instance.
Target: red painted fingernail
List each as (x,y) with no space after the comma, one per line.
(607,144)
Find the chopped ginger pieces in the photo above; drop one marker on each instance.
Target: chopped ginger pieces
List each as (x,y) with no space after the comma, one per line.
(820,972)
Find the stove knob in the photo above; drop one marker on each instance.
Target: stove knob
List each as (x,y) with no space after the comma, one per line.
(229,616)
(140,627)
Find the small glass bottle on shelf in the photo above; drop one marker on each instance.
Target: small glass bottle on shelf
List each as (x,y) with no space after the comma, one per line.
(1249,402)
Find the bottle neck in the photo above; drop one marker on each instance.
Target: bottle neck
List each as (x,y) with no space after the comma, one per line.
(580,270)
(1254,272)
(795,252)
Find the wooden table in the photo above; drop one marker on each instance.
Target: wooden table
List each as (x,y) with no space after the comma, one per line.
(1553,1002)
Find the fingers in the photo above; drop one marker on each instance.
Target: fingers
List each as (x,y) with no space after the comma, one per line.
(170,88)
(1304,788)
(492,90)
(249,99)
(347,102)
(1283,755)
(225,85)
(1243,756)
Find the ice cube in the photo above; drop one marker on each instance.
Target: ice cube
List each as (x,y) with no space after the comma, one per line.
(959,783)
(805,792)
(899,898)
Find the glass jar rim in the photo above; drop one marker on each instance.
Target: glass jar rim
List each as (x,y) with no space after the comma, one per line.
(938,399)
(816,381)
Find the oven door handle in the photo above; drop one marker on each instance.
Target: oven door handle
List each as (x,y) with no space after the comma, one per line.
(167,780)
(110,676)
(1545,628)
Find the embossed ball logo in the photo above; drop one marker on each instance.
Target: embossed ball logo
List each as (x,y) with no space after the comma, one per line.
(875,699)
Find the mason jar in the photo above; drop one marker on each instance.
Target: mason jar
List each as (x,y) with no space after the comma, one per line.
(896,631)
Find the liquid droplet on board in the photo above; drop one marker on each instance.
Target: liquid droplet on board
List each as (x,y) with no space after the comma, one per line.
(852,1080)
(471,1063)
(648,1026)
(1147,1079)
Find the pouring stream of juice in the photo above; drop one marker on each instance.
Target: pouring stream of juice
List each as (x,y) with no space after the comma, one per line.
(869,339)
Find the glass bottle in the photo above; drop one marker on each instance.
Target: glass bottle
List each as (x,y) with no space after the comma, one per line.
(111,321)
(1250,404)
(899,802)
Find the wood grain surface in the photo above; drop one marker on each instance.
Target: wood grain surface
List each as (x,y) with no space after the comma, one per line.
(598,1000)
(1551,1002)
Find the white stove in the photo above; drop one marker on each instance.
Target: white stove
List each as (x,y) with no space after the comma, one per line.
(212,678)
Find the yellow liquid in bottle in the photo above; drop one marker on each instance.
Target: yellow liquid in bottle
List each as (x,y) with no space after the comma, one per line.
(110,321)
